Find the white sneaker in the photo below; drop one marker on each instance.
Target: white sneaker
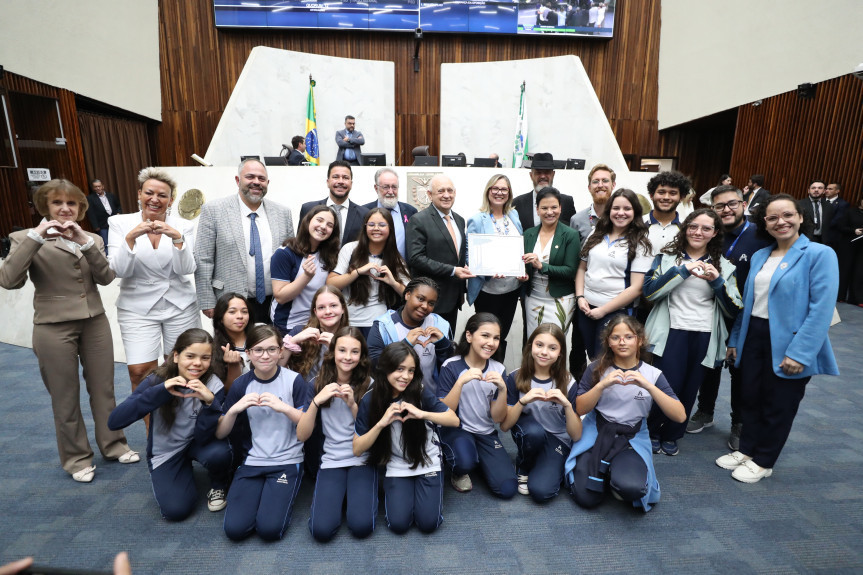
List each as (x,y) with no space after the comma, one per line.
(129,457)
(85,475)
(522,485)
(462,483)
(751,472)
(216,499)
(732,460)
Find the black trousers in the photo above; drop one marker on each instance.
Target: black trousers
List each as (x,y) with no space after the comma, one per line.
(770,402)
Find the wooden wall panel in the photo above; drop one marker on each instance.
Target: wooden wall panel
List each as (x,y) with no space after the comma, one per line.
(792,141)
(15,209)
(200,66)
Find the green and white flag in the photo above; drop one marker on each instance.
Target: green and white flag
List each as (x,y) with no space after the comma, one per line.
(520,150)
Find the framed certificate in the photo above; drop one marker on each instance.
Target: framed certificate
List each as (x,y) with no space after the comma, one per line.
(491,254)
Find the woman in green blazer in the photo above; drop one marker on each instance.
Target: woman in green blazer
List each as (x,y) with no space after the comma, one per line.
(551,257)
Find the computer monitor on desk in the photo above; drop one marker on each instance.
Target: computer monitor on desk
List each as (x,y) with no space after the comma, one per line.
(484,163)
(425,161)
(453,161)
(374,159)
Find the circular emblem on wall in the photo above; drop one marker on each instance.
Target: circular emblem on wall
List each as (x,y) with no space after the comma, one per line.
(419,186)
(190,204)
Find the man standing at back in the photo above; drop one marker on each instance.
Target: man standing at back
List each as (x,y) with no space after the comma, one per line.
(819,210)
(387,189)
(437,248)
(103,205)
(754,194)
(600,183)
(350,142)
(666,190)
(739,243)
(340,182)
(541,175)
(236,237)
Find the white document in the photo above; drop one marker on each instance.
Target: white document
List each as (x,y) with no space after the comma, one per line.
(491,254)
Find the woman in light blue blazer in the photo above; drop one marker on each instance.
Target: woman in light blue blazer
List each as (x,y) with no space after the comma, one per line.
(496,295)
(780,340)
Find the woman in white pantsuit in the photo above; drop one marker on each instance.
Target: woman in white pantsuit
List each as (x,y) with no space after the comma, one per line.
(153,253)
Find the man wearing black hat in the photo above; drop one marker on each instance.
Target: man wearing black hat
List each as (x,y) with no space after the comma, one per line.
(542,175)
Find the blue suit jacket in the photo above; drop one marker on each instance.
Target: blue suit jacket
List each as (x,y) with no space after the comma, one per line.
(800,304)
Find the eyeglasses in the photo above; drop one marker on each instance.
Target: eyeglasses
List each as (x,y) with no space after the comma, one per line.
(388,187)
(597,182)
(379,225)
(259,351)
(497,190)
(692,228)
(628,338)
(733,204)
(787,216)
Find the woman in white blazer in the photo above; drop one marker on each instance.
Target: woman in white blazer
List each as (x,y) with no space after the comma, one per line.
(153,254)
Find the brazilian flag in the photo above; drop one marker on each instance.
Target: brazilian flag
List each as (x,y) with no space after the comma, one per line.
(312,151)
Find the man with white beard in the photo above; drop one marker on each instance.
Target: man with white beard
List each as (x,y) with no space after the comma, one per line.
(387,189)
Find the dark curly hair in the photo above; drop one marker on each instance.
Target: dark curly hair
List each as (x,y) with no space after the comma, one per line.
(671,180)
(806,228)
(678,245)
(636,233)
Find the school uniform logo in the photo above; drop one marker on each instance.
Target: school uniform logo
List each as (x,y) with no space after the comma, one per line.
(431,474)
(497,444)
(194,414)
(640,396)
(283,479)
(743,258)
(558,450)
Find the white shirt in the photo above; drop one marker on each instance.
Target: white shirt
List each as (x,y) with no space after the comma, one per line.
(762,286)
(606,269)
(104,199)
(266,245)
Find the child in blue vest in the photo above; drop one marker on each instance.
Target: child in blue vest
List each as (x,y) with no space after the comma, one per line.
(395,425)
(184,400)
(340,384)
(262,409)
(472,385)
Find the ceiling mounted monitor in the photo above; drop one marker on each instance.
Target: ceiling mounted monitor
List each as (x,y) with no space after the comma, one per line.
(543,17)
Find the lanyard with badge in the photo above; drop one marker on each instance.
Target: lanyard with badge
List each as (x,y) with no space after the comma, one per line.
(734,243)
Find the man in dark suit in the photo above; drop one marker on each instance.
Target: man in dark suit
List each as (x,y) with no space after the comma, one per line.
(437,248)
(754,193)
(387,188)
(542,175)
(820,211)
(350,142)
(103,205)
(340,182)
(297,156)
(840,244)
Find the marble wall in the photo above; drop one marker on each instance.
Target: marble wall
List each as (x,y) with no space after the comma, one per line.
(268,105)
(294,185)
(479,109)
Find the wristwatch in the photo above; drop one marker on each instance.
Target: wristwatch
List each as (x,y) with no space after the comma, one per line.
(179,240)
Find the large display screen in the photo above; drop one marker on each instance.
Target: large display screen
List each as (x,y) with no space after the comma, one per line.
(573,18)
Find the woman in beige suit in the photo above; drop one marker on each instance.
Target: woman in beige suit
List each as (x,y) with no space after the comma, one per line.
(65,264)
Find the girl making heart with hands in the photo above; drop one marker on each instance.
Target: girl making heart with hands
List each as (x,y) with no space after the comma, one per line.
(305,345)
(615,395)
(342,381)
(261,413)
(395,425)
(472,385)
(417,324)
(371,271)
(696,300)
(184,398)
(540,413)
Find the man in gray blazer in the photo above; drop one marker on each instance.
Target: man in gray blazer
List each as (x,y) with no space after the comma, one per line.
(349,142)
(236,237)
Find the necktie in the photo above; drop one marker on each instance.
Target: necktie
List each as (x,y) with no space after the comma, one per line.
(817,206)
(341,221)
(255,250)
(448,219)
